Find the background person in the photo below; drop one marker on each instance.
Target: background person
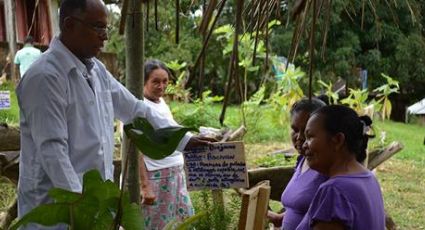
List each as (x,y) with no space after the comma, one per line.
(27,55)
(351,198)
(304,183)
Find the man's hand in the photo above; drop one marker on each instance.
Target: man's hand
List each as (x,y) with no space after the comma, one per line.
(197,141)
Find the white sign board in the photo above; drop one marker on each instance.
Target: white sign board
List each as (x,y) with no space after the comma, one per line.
(220,165)
(4,99)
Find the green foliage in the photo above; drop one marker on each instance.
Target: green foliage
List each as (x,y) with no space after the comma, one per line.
(334,97)
(356,100)
(217,216)
(288,91)
(185,224)
(177,90)
(10,116)
(95,208)
(384,92)
(246,47)
(381,37)
(156,144)
(201,113)
(250,112)
(274,160)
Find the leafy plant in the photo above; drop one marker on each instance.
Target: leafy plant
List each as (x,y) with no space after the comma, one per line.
(202,114)
(246,52)
(356,100)
(333,96)
(178,90)
(99,206)
(156,144)
(185,224)
(217,216)
(288,91)
(384,91)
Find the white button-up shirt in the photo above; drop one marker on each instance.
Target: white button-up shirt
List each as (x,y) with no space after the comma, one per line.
(67,123)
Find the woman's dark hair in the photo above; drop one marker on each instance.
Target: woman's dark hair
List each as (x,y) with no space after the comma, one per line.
(153,64)
(305,105)
(341,119)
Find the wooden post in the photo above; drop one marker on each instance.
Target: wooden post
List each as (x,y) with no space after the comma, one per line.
(255,202)
(54,16)
(10,9)
(134,35)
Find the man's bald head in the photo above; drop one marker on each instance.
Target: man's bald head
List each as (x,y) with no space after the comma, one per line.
(74,7)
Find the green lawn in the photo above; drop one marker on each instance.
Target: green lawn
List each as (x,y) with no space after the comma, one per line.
(401,177)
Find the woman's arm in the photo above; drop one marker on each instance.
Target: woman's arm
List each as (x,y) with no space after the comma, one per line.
(275,218)
(146,193)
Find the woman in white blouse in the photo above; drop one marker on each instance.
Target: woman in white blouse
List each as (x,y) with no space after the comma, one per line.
(164,191)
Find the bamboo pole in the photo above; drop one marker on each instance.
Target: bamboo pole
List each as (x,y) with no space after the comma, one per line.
(10,9)
(134,35)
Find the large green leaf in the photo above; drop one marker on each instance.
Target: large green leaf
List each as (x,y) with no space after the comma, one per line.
(156,144)
(95,208)
(132,218)
(47,215)
(64,196)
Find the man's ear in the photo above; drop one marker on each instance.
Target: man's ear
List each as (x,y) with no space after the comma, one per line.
(338,141)
(68,23)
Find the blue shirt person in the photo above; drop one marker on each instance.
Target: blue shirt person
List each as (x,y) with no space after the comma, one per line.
(27,55)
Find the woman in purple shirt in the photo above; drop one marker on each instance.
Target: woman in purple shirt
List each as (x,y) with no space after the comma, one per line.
(336,141)
(304,183)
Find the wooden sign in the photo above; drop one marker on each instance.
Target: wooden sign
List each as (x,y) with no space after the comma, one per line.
(4,99)
(220,165)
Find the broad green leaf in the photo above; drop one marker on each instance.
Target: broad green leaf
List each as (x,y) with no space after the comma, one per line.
(94,185)
(156,144)
(64,196)
(85,212)
(95,208)
(47,215)
(132,218)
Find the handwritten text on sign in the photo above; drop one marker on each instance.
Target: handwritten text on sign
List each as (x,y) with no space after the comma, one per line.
(221,165)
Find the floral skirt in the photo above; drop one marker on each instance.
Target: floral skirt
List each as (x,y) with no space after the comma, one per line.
(172,198)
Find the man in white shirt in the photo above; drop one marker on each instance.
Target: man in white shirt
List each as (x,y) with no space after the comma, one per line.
(68,102)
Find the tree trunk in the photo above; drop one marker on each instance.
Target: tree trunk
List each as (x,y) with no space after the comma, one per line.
(10,9)
(134,35)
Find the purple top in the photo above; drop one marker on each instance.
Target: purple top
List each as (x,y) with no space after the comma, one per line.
(355,200)
(298,195)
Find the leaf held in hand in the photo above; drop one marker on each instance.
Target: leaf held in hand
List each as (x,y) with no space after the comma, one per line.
(156,144)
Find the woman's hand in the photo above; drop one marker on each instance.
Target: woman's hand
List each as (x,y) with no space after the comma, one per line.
(147,195)
(275,218)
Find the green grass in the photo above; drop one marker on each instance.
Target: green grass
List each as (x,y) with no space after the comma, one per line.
(401,177)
